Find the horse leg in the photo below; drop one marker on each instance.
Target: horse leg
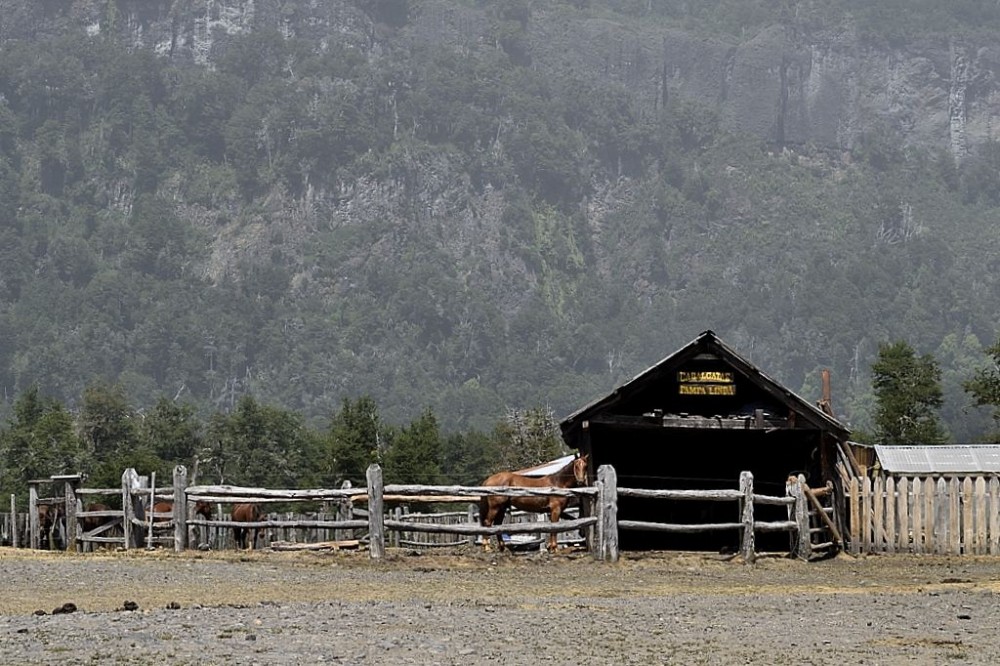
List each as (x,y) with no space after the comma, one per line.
(485,520)
(501,514)
(555,509)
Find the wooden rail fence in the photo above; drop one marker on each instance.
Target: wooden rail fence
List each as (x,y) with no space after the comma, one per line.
(598,523)
(941,515)
(798,500)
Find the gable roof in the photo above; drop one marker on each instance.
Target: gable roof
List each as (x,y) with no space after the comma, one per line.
(708,342)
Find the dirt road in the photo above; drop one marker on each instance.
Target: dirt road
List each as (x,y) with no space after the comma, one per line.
(469,608)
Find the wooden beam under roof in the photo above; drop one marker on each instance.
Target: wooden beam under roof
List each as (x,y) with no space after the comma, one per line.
(752,422)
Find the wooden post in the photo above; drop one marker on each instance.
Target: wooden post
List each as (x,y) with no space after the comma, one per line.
(980,536)
(878,514)
(950,492)
(180,508)
(471,518)
(33,515)
(69,494)
(607,514)
(394,538)
(13,520)
(855,508)
(222,534)
(866,514)
(890,514)
(917,512)
(127,512)
(345,511)
(149,518)
(793,537)
(903,506)
(130,503)
(967,519)
(804,550)
(747,547)
(994,520)
(376,520)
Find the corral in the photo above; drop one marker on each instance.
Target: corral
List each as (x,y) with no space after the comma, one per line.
(801,504)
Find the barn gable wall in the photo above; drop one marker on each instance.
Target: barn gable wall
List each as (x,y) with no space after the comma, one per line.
(695,421)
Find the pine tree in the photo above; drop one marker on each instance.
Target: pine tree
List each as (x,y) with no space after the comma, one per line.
(984,387)
(907,395)
(528,437)
(415,453)
(38,443)
(355,440)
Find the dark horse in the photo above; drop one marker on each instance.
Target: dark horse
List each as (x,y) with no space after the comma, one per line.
(493,508)
(50,516)
(246,513)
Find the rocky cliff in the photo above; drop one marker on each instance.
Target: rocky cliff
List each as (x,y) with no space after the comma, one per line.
(790,85)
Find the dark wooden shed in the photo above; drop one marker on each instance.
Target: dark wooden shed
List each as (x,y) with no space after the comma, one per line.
(695,420)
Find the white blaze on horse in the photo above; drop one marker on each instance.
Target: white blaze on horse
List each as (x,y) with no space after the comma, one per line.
(493,508)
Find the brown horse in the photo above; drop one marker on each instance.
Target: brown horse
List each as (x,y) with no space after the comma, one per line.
(246,513)
(493,508)
(91,523)
(201,508)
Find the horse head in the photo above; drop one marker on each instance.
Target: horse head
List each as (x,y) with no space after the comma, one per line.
(48,515)
(580,469)
(203,509)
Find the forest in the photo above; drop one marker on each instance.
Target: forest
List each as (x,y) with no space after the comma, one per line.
(246,247)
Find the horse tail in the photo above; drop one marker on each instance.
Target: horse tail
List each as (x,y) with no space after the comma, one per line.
(484,509)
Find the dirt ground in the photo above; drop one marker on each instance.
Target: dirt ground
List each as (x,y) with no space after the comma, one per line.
(470,608)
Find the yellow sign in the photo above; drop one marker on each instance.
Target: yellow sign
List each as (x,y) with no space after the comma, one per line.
(705,377)
(708,389)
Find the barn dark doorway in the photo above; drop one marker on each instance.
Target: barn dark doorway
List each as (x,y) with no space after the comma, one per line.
(660,458)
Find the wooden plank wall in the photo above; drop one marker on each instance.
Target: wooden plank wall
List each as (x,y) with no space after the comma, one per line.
(934,515)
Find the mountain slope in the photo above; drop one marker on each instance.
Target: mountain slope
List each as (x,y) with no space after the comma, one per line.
(463,205)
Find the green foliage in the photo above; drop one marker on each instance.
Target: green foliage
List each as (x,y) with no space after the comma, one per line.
(38,442)
(173,432)
(356,439)
(107,420)
(527,437)
(414,456)
(908,395)
(443,225)
(262,446)
(984,386)
(467,458)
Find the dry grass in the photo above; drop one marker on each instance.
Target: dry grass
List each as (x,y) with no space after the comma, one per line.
(103,581)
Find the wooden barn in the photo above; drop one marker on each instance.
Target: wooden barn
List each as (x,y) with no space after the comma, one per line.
(695,420)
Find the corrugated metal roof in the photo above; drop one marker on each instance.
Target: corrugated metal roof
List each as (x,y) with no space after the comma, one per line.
(961,459)
(550,467)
